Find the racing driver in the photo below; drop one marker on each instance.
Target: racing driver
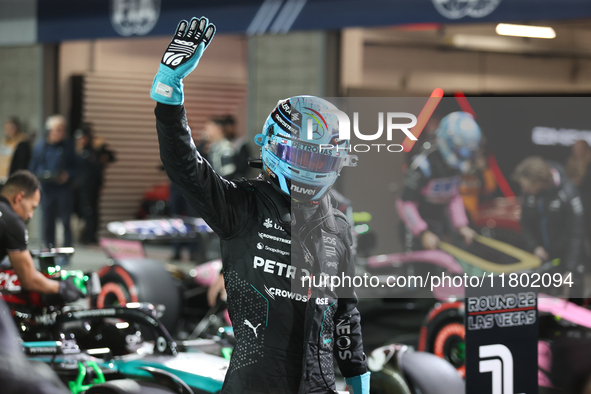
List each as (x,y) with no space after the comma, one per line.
(19,197)
(431,205)
(274,230)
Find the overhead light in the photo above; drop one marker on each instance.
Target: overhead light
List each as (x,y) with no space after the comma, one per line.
(100,350)
(506,29)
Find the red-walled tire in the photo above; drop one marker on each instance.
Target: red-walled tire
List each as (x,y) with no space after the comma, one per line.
(140,281)
(443,334)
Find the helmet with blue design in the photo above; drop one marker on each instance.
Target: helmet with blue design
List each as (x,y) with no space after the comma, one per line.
(301,151)
(458,139)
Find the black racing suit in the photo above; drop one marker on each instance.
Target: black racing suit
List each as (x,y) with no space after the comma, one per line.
(554,219)
(430,198)
(285,336)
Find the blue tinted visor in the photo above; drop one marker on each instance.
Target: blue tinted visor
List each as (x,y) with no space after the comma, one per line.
(306,160)
(464,153)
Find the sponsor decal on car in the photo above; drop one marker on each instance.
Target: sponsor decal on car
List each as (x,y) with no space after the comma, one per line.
(9,281)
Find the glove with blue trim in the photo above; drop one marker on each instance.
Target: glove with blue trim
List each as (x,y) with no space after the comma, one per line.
(358,384)
(181,57)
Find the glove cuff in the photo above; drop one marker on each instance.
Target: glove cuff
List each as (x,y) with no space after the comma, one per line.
(167,87)
(359,384)
(62,293)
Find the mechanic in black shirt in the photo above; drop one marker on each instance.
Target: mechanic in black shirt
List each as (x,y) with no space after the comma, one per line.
(19,198)
(273,230)
(552,217)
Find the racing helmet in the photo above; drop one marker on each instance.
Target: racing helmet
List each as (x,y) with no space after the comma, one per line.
(458,138)
(299,161)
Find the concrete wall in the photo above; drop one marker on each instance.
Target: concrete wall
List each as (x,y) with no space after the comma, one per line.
(20,63)
(20,84)
(282,66)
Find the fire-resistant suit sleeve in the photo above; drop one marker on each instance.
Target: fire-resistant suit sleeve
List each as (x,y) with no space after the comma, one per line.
(407,205)
(348,348)
(221,203)
(457,212)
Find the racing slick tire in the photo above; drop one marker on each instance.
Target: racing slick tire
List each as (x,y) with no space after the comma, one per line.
(443,334)
(142,280)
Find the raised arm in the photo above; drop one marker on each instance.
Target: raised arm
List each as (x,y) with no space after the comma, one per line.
(222,204)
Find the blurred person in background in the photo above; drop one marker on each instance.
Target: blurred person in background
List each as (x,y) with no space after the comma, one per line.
(552,218)
(578,169)
(92,156)
(54,163)
(15,150)
(220,151)
(431,206)
(241,147)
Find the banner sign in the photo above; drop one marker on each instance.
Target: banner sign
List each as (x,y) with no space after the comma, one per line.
(60,20)
(501,341)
